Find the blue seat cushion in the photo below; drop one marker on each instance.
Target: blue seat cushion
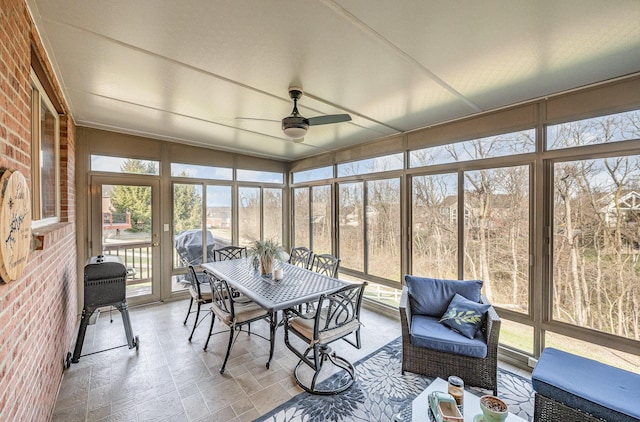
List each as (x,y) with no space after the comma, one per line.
(431,296)
(587,385)
(427,332)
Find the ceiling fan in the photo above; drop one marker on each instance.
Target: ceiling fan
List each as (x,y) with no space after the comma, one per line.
(295,126)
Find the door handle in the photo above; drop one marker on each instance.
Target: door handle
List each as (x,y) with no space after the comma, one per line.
(154,244)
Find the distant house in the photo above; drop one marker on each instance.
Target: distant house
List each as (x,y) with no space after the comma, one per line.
(625,209)
(219,217)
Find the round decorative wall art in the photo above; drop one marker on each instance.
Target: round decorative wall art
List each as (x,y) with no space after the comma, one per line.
(15,225)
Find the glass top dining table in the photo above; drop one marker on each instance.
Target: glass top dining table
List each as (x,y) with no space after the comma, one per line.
(298,286)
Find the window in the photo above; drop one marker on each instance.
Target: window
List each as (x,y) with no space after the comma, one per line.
(301,217)
(372,165)
(201,172)
(272,214)
(322,239)
(492,146)
(596,244)
(249,206)
(219,214)
(382,219)
(124,165)
(259,214)
(259,176)
(369,227)
(434,225)
(351,225)
(496,234)
(312,175)
(598,130)
(45,157)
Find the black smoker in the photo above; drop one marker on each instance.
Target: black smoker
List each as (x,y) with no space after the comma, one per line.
(105,281)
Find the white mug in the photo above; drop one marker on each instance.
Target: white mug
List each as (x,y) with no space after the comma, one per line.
(278,274)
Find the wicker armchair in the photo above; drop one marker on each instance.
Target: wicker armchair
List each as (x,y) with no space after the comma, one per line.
(477,372)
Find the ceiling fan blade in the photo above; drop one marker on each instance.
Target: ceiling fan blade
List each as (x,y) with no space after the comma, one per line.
(328,119)
(258,119)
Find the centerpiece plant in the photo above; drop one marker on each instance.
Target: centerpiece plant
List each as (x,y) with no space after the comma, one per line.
(267,251)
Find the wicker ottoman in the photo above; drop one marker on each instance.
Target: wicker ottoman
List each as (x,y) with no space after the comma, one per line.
(571,388)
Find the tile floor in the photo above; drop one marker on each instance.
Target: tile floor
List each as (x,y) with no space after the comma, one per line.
(171,379)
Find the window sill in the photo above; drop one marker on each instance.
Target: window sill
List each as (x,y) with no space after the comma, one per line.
(44,237)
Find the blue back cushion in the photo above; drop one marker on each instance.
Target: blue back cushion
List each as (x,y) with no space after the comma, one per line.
(431,296)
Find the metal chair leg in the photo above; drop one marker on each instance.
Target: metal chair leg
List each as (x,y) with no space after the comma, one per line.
(213,320)
(321,354)
(188,312)
(195,324)
(226,358)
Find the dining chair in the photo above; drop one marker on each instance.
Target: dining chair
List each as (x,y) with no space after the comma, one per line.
(337,316)
(234,312)
(326,264)
(300,256)
(200,292)
(229,252)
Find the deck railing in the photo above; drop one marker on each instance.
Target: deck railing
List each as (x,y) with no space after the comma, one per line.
(137,257)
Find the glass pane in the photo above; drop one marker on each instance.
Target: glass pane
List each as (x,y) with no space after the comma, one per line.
(593,351)
(201,172)
(311,175)
(374,291)
(187,225)
(126,232)
(321,219)
(595,244)
(124,165)
(382,217)
(301,217)
(259,176)
(273,214)
(351,226)
(516,336)
(248,215)
(496,234)
(48,188)
(219,214)
(434,226)
(598,130)
(372,165)
(477,149)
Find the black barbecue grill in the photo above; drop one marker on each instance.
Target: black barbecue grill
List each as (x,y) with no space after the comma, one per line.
(105,281)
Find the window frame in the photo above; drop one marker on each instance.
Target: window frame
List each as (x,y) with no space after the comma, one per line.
(38,97)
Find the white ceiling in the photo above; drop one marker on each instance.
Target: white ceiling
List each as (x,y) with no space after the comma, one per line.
(185,70)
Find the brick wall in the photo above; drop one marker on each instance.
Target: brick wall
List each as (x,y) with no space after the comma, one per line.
(38,312)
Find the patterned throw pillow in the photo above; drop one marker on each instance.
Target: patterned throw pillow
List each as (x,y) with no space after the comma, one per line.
(464,316)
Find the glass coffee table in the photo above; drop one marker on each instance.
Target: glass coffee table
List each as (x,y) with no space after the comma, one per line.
(419,409)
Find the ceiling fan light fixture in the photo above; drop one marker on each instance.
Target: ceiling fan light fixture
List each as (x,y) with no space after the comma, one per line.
(295,131)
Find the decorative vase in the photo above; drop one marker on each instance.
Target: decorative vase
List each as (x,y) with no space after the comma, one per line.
(266,265)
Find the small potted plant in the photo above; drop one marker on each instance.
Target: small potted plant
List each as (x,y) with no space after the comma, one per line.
(267,251)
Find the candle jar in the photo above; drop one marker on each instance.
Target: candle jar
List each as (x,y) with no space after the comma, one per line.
(456,389)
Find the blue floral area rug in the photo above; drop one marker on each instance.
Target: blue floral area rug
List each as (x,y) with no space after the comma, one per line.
(381,391)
